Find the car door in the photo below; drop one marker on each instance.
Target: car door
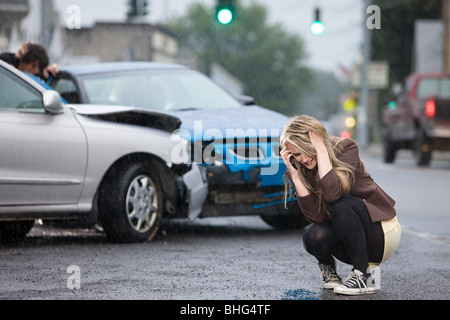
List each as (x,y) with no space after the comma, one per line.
(42,156)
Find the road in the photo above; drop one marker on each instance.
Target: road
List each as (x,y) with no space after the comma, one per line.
(239,258)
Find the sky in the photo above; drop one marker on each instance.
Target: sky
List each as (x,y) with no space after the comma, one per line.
(339,45)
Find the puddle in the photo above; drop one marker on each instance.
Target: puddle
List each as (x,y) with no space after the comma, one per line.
(300,294)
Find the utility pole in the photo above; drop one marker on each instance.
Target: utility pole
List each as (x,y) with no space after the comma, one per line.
(363,109)
(446,35)
(46,23)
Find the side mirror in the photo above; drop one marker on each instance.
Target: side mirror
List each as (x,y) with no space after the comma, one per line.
(52,102)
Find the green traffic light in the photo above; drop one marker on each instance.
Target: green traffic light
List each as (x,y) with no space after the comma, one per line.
(392,105)
(224,16)
(317,28)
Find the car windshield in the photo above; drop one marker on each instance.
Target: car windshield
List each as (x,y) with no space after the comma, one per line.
(157,90)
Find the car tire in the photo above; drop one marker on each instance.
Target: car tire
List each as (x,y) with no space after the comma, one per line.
(389,150)
(14,231)
(131,203)
(422,149)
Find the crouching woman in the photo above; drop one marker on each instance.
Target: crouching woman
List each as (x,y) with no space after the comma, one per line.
(353,219)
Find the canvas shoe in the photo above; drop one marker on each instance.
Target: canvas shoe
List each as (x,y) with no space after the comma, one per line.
(356,284)
(329,276)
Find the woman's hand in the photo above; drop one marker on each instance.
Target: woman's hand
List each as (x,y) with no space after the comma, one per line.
(323,159)
(317,142)
(286,155)
(293,173)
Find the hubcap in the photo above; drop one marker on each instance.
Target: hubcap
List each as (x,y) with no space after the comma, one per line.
(142,203)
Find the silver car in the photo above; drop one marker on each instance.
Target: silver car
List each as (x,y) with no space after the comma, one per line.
(117,165)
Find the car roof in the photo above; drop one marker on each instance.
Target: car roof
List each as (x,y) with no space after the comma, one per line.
(106,67)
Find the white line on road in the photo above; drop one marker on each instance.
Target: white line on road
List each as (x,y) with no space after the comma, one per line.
(426,235)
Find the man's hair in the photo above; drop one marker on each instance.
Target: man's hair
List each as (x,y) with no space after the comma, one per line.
(30,52)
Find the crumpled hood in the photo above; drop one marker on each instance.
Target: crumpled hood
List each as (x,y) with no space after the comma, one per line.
(248,121)
(129,115)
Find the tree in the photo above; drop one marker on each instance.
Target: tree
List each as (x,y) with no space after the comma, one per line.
(268,60)
(323,100)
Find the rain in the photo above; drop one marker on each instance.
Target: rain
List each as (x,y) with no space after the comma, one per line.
(94,205)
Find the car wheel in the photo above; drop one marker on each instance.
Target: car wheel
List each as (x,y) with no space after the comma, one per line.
(131,204)
(389,150)
(422,148)
(13,231)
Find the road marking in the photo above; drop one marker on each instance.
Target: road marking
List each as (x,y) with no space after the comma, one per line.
(426,235)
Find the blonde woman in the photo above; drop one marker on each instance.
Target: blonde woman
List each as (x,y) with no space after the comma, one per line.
(352,218)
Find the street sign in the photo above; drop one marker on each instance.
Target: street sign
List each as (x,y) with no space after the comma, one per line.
(378,77)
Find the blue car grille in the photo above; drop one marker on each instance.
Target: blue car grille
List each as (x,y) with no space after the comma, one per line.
(234,151)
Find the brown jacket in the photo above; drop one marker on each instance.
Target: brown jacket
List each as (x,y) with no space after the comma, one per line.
(379,204)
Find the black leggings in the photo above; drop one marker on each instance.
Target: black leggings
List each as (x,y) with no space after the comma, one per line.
(350,235)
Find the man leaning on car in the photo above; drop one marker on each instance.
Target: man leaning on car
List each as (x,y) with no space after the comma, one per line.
(31,58)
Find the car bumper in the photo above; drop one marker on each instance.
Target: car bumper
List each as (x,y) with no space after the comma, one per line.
(197,186)
(439,132)
(242,193)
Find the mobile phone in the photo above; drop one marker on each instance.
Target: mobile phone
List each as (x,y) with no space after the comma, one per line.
(291,159)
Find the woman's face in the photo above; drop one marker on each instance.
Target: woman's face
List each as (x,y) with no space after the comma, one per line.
(32,67)
(308,162)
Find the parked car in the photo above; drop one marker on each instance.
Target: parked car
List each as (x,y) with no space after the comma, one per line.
(111,164)
(419,118)
(235,141)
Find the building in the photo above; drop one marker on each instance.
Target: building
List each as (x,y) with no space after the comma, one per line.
(11,14)
(38,22)
(428,55)
(116,41)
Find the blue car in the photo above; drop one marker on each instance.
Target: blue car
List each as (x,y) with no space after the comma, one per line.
(236,142)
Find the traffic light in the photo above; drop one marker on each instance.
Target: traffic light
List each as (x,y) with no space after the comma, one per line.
(392,105)
(350,122)
(137,8)
(317,26)
(225,11)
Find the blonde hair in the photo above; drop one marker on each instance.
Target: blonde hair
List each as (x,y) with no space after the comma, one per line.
(296,133)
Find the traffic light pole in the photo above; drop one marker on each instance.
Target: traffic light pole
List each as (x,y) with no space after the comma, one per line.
(363,109)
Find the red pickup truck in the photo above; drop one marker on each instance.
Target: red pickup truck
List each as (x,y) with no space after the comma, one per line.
(419,118)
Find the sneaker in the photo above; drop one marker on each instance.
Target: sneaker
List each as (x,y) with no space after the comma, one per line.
(356,284)
(329,275)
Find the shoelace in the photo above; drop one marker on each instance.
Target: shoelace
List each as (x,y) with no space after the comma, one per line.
(328,273)
(353,280)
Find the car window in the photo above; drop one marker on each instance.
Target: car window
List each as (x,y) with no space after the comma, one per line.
(16,94)
(438,87)
(67,89)
(164,91)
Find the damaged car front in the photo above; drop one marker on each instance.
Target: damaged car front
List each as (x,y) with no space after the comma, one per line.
(235,142)
(184,185)
(119,166)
